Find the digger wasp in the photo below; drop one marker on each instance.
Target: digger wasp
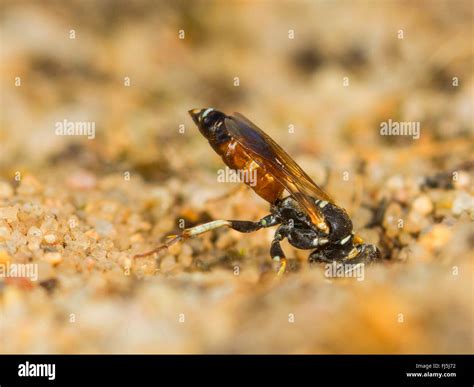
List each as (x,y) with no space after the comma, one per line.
(308,217)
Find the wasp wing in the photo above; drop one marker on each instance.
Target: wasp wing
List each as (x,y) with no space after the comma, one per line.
(270,156)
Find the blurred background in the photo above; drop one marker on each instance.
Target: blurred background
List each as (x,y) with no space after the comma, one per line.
(320,78)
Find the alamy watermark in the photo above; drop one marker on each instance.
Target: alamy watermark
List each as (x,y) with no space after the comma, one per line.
(345,270)
(28,369)
(400,128)
(228,175)
(19,270)
(75,128)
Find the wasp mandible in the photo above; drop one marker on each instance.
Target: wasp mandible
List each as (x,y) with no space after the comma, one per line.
(308,218)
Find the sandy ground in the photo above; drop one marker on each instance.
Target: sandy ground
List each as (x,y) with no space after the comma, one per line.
(76,210)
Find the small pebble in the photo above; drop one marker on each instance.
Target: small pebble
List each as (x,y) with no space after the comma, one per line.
(395,183)
(167,263)
(5,233)
(176,248)
(34,244)
(463,180)
(92,234)
(4,257)
(34,232)
(186,260)
(104,228)
(136,238)
(17,239)
(462,202)
(405,238)
(398,188)
(444,204)
(416,222)
(10,213)
(393,219)
(185,257)
(33,209)
(148,267)
(49,224)
(53,257)
(50,238)
(437,237)
(34,236)
(423,205)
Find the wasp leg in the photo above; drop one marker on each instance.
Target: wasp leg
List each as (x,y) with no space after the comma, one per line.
(276,252)
(353,254)
(247,226)
(238,225)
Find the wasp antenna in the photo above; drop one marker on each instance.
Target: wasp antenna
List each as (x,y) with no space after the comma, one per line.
(172,240)
(151,252)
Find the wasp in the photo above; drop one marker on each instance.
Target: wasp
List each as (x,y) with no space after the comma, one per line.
(308,218)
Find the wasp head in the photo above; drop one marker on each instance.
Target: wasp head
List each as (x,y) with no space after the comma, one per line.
(210,123)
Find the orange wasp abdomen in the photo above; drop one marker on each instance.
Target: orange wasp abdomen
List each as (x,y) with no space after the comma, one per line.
(253,175)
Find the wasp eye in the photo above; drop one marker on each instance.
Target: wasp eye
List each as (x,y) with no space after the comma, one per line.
(207,121)
(209,117)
